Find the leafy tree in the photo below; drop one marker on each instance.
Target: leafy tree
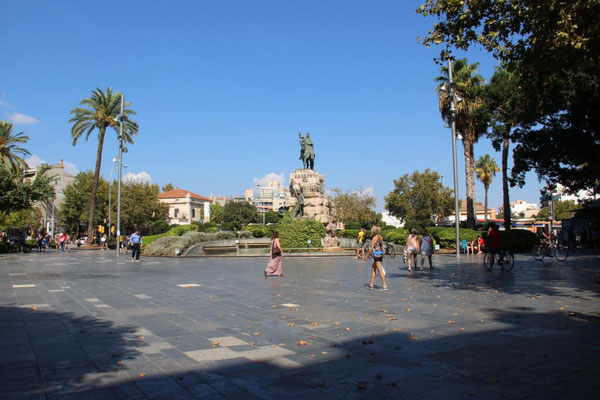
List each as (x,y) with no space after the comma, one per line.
(140,206)
(100,112)
(167,187)
(18,194)
(271,217)
(237,214)
(11,155)
(504,102)
(552,48)
(486,169)
(75,207)
(356,206)
(216,213)
(562,210)
(470,117)
(419,197)
(28,218)
(158,227)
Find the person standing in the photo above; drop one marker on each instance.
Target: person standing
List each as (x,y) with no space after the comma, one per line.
(412,248)
(275,259)
(360,240)
(426,248)
(40,242)
(377,251)
(136,241)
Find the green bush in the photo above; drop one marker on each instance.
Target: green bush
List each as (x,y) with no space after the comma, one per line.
(158,227)
(229,226)
(418,225)
(211,229)
(167,245)
(354,225)
(388,228)
(446,237)
(111,242)
(295,233)
(396,236)
(208,227)
(245,235)
(181,229)
(31,243)
(517,240)
(3,247)
(258,231)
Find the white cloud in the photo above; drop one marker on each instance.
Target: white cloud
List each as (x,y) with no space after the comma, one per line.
(268,178)
(140,177)
(3,104)
(370,191)
(70,168)
(35,161)
(23,119)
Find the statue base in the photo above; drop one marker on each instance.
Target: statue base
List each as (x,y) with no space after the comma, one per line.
(311,185)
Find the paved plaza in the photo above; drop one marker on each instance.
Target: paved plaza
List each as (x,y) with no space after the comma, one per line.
(79,325)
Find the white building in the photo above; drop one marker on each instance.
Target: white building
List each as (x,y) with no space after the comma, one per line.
(185,207)
(521,208)
(271,197)
(479,213)
(559,194)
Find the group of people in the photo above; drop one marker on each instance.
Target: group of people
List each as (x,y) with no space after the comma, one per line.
(133,242)
(473,246)
(61,241)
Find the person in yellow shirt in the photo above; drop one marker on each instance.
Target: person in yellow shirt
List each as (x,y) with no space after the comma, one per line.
(360,240)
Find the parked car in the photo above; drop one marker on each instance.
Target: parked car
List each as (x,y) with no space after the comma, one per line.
(81,241)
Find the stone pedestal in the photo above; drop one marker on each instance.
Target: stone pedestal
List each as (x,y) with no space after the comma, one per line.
(311,186)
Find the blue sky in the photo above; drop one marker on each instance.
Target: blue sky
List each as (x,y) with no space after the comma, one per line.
(221,89)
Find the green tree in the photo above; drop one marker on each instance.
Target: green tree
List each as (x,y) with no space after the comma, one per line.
(140,206)
(18,194)
(271,217)
(167,187)
(562,210)
(552,48)
(470,117)
(505,103)
(216,213)
(74,210)
(11,155)
(354,206)
(486,169)
(236,214)
(100,112)
(419,196)
(25,219)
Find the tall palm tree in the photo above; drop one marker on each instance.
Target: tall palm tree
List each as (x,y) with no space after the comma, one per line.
(486,169)
(470,121)
(11,155)
(100,112)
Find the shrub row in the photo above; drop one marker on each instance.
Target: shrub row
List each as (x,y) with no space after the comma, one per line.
(167,245)
(259,231)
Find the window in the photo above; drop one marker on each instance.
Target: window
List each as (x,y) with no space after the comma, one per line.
(176,213)
(193,213)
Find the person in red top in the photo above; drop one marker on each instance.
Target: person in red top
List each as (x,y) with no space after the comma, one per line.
(495,239)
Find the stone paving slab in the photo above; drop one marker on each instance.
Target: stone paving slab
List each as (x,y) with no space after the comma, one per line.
(82,325)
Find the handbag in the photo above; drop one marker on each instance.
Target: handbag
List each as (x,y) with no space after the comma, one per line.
(276,252)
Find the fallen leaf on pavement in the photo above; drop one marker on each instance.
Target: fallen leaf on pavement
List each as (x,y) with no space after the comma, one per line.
(141,374)
(302,343)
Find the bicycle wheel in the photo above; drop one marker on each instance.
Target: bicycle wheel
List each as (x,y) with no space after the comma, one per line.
(390,251)
(509,262)
(538,252)
(487,260)
(561,253)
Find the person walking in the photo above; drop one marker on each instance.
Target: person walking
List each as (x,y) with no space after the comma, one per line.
(103,243)
(412,248)
(426,248)
(275,259)
(360,240)
(40,242)
(63,240)
(377,251)
(135,240)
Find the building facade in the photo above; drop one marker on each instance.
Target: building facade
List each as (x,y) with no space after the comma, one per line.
(479,213)
(49,209)
(521,208)
(185,207)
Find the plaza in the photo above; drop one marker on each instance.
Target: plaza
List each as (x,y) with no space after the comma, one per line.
(81,325)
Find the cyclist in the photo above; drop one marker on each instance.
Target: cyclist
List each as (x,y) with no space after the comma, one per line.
(495,239)
(545,238)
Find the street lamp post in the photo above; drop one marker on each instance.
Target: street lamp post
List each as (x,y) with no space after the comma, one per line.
(452,96)
(114,160)
(122,149)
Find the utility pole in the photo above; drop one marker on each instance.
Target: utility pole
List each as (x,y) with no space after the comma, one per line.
(121,117)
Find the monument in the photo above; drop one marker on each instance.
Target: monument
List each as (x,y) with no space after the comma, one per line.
(307,187)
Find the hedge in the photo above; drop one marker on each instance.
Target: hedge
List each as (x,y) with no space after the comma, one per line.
(295,233)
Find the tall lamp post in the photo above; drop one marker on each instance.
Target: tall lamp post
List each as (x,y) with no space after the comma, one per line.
(114,160)
(452,96)
(122,149)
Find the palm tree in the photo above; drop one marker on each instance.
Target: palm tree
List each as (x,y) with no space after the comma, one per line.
(486,169)
(470,121)
(100,112)
(9,148)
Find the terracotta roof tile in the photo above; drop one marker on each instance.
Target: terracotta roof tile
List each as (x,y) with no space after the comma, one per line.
(181,194)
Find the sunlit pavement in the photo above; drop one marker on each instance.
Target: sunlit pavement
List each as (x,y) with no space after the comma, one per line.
(82,325)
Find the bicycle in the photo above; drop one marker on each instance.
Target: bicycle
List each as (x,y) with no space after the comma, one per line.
(388,249)
(504,258)
(553,249)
